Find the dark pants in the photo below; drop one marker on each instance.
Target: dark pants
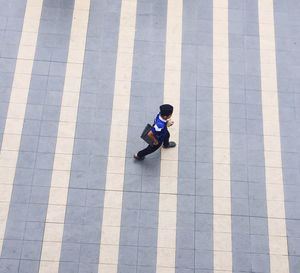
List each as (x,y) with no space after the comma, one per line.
(151,149)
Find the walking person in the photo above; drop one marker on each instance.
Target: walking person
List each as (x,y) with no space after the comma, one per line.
(159,132)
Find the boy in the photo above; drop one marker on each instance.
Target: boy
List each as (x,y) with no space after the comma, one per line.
(159,132)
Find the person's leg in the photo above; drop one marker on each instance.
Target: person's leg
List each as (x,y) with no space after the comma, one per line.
(148,150)
(167,143)
(166,139)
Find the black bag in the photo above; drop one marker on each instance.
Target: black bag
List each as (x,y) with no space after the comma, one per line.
(145,136)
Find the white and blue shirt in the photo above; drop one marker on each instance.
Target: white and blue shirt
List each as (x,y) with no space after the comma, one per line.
(159,128)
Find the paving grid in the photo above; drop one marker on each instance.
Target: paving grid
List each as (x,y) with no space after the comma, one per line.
(252,215)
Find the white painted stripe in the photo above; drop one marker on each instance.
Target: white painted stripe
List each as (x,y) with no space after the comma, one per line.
(111,222)
(53,233)
(167,218)
(273,164)
(221,140)
(16,108)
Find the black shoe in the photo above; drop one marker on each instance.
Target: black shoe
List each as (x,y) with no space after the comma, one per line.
(171,144)
(138,158)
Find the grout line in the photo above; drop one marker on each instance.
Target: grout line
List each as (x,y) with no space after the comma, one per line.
(112,211)
(166,237)
(17,107)
(222,239)
(278,246)
(54,227)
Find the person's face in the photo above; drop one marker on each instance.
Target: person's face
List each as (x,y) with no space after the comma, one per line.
(167,117)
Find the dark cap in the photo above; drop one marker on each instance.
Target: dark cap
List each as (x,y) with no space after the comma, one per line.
(166,109)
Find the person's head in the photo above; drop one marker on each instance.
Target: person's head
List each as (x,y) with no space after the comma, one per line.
(166,111)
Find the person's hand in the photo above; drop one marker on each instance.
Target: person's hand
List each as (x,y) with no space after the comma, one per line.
(170,123)
(155,142)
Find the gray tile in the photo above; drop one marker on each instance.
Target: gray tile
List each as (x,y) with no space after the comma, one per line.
(147,256)
(147,218)
(94,198)
(147,237)
(26,160)
(294,246)
(122,268)
(293,227)
(37,212)
(240,206)
(146,269)
(185,203)
(185,258)
(294,263)
(42,177)
(51,113)
(72,233)
(49,128)
(20,194)
(260,262)
(75,215)
(70,252)
(28,266)
(17,212)
(242,225)
(9,265)
(129,236)
(31,127)
(41,68)
(88,268)
(239,190)
(204,204)
(76,197)
(257,191)
(90,233)
(29,143)
(53,98)
(92,215)
(89,253)
(31,250)
(149,201)
(259,243)
(203,240)
(131,200)
(34,231)
(241,243)
(15,230)
(128,255)
(132,182)
(45,161)
(186,169)
(186,186)
(55,83)
(241,262)
(204,259)
(68,267)
(204,222)
(57,68)
(239,172)
(150,184)
(11,249)
(185,239)
(39,195)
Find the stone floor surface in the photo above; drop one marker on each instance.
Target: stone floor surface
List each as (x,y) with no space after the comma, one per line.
(79,80)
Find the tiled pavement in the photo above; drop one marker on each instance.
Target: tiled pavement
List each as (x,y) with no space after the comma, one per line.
(79,79)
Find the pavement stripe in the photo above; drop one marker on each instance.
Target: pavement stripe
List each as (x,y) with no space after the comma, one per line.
(241,259)
(166,241)
(272,144)
(110,232)
(221,140)
(53,233)
(17,107)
